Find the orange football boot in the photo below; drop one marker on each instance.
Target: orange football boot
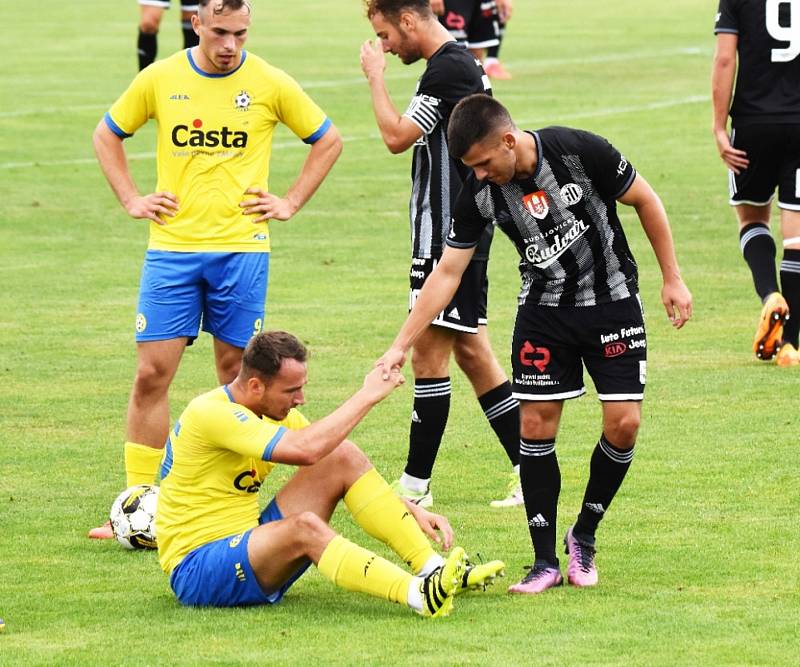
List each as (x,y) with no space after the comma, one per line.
(770,326)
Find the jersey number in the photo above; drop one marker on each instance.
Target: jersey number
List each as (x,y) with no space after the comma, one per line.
(790,33)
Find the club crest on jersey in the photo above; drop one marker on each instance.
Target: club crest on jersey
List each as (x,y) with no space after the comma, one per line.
(242,101)
(571,194)
(536,204)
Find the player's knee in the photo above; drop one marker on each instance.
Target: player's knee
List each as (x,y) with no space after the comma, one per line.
(228,369)
(623,430)
(538,424)
(427,365)
(473,357)
(309,528)
(348,456)
(151,377)
(149,25)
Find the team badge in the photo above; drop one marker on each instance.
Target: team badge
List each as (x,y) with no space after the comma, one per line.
(242,101)
(536,204)
(141,323)
(571,194)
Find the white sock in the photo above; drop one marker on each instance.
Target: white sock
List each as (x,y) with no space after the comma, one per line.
(516,469)
(415,594)
(489,61)
(415,483)
(430,565)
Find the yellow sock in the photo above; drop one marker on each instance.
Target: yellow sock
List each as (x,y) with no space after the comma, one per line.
(141,463)
(354,568)
(378,510)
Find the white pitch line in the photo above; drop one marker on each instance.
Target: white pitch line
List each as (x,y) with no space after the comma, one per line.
(596,113)
(413,74)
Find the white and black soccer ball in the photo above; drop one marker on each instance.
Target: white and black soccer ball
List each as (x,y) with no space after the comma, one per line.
(133,517)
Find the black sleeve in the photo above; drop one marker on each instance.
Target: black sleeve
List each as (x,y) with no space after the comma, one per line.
(612,174)
(468,223)
(726,19)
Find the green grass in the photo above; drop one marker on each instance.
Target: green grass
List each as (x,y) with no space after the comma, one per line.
(698,556)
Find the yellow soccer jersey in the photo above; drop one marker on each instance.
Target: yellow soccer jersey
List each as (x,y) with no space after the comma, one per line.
(214,142)
(218,454)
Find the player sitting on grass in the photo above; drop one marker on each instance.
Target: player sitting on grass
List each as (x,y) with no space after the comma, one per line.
(218,549)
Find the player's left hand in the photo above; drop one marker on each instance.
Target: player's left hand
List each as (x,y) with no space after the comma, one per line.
(373,60)
(267,206)
(430,523)
(504,9)
(677,300)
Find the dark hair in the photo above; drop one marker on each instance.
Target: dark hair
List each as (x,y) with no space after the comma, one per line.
(391,9)
(222,5)
(266,351)
(473,119)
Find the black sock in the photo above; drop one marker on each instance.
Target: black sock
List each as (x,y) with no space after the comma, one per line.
(190,37)
(790,288)
(494,51)
(431,407)
(541,486)
(758,248)
(607,469)
(502,411)
(147,46)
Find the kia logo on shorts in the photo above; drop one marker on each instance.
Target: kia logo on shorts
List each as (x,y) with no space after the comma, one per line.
(615,349)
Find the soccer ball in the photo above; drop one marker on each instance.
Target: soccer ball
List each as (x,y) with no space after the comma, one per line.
(133,517)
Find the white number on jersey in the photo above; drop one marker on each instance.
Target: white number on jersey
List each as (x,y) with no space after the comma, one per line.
(790,33)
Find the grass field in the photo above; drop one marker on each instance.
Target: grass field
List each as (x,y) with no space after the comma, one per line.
(698,556)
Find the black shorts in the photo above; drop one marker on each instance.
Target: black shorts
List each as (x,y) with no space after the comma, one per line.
(186,5)
(467,310)
(774,154)
(551,342)
(472,22)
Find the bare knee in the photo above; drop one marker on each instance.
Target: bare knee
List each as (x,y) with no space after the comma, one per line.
(150,19)
(151,378)
(429,365)
(539,420)
(622,431)
(348,458)
(309,530)
(228,369)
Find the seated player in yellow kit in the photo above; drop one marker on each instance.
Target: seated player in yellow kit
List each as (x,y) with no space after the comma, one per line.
(220,551)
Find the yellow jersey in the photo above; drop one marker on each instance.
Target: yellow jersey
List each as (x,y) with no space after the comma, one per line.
(214,142)
(217,456)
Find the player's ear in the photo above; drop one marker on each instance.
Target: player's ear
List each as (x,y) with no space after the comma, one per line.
(196,23)
(509,140)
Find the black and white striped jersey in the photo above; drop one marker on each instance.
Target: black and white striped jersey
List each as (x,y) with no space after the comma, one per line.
(768,50)
(451,74)
(563,220)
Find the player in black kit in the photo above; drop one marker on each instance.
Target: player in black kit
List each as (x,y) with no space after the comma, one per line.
(553,192)
(762,153)
(409,29)
(149,22)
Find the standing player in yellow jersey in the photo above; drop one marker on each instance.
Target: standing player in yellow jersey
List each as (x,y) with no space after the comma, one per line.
(220,551)
(208,258)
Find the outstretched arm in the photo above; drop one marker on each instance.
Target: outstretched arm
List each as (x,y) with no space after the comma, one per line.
(321,158)
(437,292)
(111,156)
(308,445)
(675,295)
(723,74)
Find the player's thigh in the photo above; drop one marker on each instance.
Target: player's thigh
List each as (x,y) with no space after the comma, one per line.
(151,13)
(614,349)
(235,295)
(158,360)
(545,355)
(170,296)
(756,184)
(790,228)
(475,356)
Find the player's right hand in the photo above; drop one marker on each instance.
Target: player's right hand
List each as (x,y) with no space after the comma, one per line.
(392,359)
(735,159)
(373,60)
(153,206)
(379,385)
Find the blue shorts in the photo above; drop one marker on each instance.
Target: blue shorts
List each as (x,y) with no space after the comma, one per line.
(226,290)
(218,574)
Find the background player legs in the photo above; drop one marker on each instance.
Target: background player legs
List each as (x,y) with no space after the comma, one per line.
(758,249)
(148,407)
(147,44)
(790,273)
(190,37)
(474,355)
(227,359)
(492,65)
(430,363)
